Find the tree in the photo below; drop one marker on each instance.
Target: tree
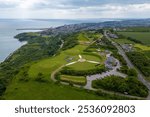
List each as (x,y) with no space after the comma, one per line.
(24,76)
(132,72)
(2,86)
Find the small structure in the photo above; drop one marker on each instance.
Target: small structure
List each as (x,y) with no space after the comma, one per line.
(98,50)
(127,47)
(69,59)
(114,36)
(99,42)
(110,63)
(81,59)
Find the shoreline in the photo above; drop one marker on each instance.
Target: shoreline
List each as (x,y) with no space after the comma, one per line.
(32,29)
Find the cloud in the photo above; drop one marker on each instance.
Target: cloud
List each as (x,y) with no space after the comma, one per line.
(75,8)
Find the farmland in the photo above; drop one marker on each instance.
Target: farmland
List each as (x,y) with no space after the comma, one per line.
(144,37)
(142,47)
(123,41)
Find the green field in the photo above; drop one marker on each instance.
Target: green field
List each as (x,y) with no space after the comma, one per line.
(123,41)
(82,37)
(88,36)
(142,47)
(138,29)
(32,89)
(92,56)
(82,66)
(144,37)
(93,36)
(51,64)
(74,79)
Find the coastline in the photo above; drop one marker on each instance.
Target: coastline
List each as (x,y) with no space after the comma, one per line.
(11,27)
(40,29)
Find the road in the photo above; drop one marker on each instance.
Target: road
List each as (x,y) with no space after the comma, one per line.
(88,87)
(130,65)
(101,76)
(104,74)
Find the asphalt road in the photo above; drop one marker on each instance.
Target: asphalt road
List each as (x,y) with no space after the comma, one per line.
(130,65)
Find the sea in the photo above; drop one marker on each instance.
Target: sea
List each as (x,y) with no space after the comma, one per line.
(8,29)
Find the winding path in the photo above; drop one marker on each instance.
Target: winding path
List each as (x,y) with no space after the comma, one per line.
(89,79)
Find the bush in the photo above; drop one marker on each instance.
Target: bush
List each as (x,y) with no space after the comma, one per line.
(130,85)
(134,40)
(124,69)
(57,76)
(141,61)
(24,76)
(132,72)
(40,78)
(2,87)
(68,71)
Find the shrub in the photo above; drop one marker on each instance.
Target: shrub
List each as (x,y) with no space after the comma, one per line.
(2,87)
(132,72)
(40,78)
(130,85)
(68,71)
(141,61)
(24,76)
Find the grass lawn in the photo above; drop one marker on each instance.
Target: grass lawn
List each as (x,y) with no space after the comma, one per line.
(82,66)
(92,36)
(74,79)
(52,63)
(144,37)
(142,47)
(123,41)
(82,37)
(33,90)
(94,57)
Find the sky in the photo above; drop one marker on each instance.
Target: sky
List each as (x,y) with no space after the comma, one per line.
(74,9)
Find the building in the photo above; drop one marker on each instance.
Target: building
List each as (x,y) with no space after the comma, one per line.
(114,36)
(110,63)
(127,47)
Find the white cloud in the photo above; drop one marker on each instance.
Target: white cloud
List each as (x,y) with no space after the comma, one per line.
(66,9)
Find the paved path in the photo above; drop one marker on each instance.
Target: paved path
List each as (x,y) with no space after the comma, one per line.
(104,91)
(101,76)
(54,72)
(104,74)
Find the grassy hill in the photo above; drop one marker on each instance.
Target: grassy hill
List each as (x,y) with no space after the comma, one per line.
(31,78)
(25,85)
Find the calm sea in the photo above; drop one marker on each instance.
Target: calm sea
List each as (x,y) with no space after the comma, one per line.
(8,44)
